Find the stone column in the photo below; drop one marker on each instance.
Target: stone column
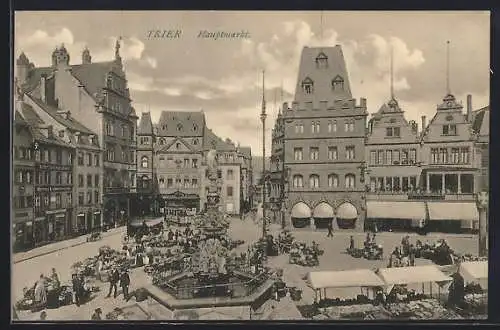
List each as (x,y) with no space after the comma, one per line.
(428,183)
(459,182)
(443,183)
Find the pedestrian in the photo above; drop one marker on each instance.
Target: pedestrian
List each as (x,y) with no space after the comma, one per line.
(55,279)
(76,289)
(43,316)
(124,283)
(41,291)
(97,315)
(330,229)
(412,255)
(351,244)
(114,277)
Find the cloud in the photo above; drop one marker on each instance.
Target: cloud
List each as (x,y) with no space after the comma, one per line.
(38,46)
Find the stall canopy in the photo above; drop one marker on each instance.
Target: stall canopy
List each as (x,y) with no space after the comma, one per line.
(301,210)
(149,222)
(453,211)
(410,275)
(475,271)
(344,279)
(395,210)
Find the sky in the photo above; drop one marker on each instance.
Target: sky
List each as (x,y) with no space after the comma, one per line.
(224,77)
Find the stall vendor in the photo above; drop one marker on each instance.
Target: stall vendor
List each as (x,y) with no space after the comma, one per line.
(55,279)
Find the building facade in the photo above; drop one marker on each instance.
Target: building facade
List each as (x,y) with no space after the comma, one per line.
(324,144)
(278,178)
(53,195)
(394,161)
(87,165)
(245,159)
(481,127)
(23,184)
(97,96)
(450,167)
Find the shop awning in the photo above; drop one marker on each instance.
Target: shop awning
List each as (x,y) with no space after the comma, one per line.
(453,211)
(410,275)
(97,212)
(347,211)
(323,210)
(60,215)
(344,279)
(395,210)
(475,271)
(301,210)
(81,215)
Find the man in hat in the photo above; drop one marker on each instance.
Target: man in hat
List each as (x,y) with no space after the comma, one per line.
(75,280)
(97,315)
(114,277)
(124,283)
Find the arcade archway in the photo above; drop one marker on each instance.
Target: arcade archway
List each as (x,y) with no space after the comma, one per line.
(301,215)
(323,215)
(347,214)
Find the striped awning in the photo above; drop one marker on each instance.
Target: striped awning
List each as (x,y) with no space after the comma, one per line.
(301,210)
(453,211)
(395,210)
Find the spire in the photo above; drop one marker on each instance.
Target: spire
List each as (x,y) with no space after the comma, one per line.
(321,27)
(281,98)
(448,91)
(117,48)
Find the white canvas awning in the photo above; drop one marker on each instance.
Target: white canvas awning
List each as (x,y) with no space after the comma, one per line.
(347,211)
(475,271)
(453,211)
(395,210)
(301,210)
(344,279)
(410,275)
(323,211)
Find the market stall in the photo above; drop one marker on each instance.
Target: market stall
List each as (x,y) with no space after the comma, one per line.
(411,277)
(348,279)
(475,278)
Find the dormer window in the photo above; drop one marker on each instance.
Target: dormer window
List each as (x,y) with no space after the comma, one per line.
(195,142)
(162,141)
(195,127)
(61,134)
(177,145)
(322,61)
(179,127)
(338,83)
(308,86)
(449,129)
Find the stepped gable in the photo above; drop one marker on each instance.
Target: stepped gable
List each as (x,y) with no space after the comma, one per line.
(181,123)
(322,76)
(145,124)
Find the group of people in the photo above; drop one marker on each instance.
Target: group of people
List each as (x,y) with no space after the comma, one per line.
(41,288)
(120,277)
(404,255)
(80,290)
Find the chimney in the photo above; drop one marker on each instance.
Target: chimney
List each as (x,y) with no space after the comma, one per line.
(469,108)
(424,124)
(43,88)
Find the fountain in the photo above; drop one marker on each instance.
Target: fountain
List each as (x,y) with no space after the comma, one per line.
(212,278)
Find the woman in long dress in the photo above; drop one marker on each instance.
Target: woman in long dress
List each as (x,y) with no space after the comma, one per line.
(41,291)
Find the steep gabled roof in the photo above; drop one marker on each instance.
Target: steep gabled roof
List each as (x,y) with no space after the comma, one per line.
(481,121)
(70,123)
(92,75)
(34,78)
(191,123)
(322,77)
(210,139)
(19,119)
(145,124)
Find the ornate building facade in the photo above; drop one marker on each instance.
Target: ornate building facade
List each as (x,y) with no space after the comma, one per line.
(324,144)
(97,96)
